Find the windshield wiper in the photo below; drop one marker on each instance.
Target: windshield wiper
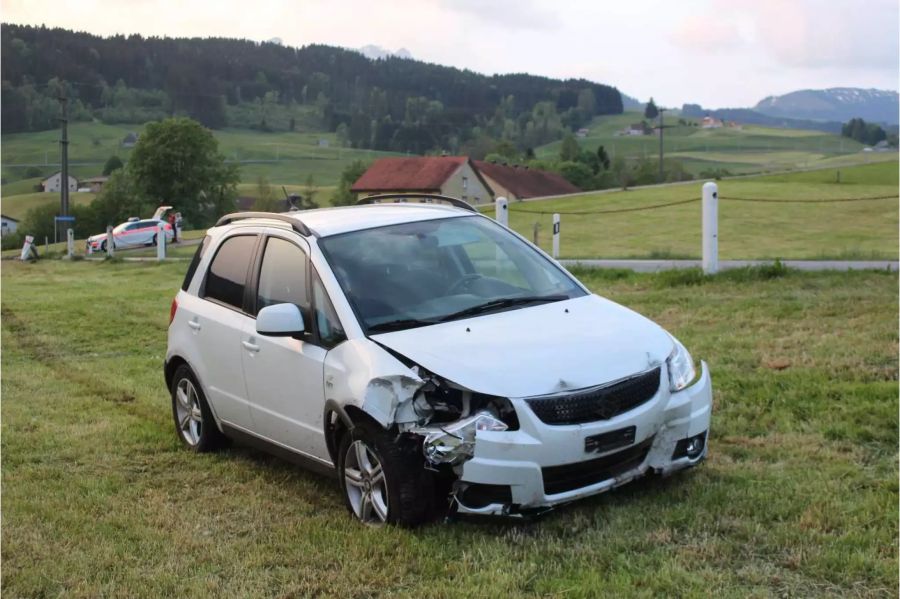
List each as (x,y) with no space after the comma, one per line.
(399,325)
(501,303)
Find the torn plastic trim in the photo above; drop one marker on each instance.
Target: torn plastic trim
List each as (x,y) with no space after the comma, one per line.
(454,443)
(389,399)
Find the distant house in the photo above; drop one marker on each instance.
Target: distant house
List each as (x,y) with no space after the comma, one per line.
(635,129)
(95,184)
(521,182)
(454,176)
(710,122)
(53,183)
(8,224)
(130,139)
(583,132)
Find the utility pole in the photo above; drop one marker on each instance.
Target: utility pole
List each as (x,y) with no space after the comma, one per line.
(661,127)
(64,157)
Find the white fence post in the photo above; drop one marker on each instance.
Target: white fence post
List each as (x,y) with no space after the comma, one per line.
(502,211)
(109,242)
(70,243)
(160,242)
(556,236)
(710,228)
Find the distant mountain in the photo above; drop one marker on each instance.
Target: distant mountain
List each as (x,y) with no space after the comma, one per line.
(834,104)
(375,52)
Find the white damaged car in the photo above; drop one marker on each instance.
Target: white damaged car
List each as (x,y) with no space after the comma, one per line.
(433,359)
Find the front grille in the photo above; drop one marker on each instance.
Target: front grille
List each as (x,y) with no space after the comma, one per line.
(600,403)
(568,477)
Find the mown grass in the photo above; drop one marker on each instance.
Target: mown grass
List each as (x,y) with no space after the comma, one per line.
(747,230)
(798,497)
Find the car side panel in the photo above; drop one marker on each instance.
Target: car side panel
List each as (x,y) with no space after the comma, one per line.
(208,336)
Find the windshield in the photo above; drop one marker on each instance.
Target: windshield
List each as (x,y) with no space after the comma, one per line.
(416,274)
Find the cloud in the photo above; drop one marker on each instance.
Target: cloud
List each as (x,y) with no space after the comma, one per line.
(706,33)
(819,34)
(507,14)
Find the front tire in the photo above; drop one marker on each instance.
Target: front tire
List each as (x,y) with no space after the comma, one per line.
(383,478)
(194,423)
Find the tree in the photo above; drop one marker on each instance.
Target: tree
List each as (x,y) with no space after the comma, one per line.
(651,111)
(622,171)
(603,157)
(351,173)
(266,200)
(113,163)
(569,150)
(309,193)
(577,174)
(177,162)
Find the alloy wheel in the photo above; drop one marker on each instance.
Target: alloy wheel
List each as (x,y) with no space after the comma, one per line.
(188,413)
(365,484)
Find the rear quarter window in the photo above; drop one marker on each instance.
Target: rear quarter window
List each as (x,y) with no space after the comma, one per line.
(195,262)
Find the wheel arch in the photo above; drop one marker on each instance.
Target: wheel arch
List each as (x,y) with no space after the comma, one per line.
(340,420)
(169,369)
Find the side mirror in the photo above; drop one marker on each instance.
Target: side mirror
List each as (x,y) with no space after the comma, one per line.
(280,320)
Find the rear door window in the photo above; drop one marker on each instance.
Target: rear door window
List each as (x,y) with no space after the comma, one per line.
(227,274)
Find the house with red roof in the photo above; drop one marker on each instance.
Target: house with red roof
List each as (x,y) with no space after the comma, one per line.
(520,182)
(458,176)
(454,176)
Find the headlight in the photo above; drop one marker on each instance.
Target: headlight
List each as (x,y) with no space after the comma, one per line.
(455,443)
(681,367)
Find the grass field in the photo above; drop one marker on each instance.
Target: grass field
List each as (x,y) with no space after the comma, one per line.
(282,157)
(798,496)
(17,206)
(748,149)
(747,230)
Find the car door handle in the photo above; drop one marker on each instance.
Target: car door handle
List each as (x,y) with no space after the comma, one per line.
(250,346)
(194,325)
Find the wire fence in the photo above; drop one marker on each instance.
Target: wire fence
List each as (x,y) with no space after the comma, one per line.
(692,200)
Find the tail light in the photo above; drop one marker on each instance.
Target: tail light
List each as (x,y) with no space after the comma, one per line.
(173,309)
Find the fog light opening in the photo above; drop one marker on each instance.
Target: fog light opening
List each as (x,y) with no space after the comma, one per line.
(692,447)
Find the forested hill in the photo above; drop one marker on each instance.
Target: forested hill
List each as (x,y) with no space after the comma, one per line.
(392,103)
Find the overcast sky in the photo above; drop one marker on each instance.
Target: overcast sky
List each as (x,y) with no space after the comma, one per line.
(718,53)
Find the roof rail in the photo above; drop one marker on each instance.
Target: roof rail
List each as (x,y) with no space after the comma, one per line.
(425,198)
(295,223)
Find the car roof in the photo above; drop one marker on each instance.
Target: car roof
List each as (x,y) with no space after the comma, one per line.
(334,221)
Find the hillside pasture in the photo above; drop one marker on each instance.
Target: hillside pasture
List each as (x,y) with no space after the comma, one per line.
(282,157)
(741,150)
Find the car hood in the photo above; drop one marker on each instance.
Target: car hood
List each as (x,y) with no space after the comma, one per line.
(97,237)
(537,350)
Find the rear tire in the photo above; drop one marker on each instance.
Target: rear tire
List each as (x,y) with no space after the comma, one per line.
(194,423)
(153,241)
(383,479)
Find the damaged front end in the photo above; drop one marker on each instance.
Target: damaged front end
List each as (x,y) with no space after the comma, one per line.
(443,417)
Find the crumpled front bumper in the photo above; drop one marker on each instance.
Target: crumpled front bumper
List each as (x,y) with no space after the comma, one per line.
(520,459)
